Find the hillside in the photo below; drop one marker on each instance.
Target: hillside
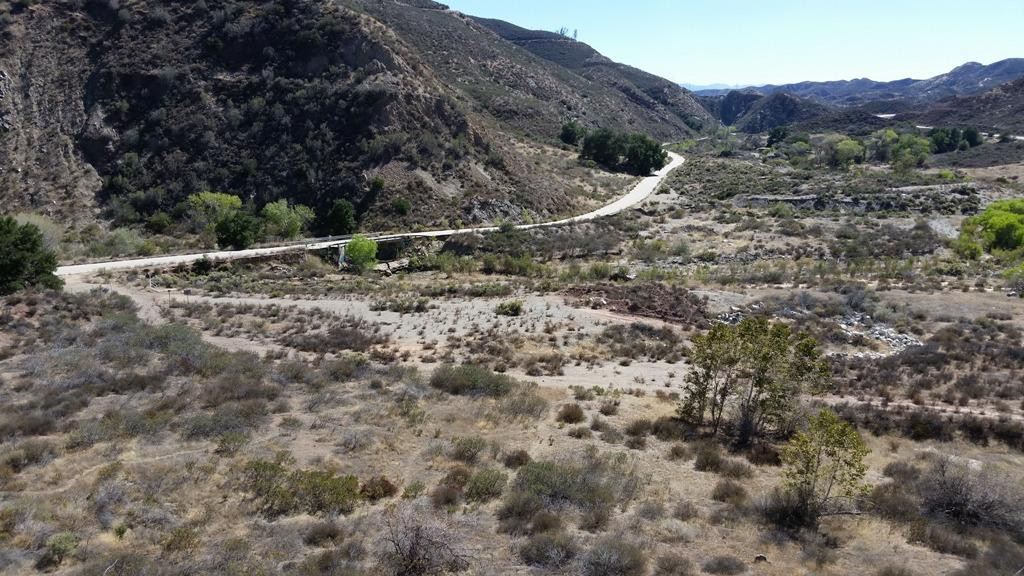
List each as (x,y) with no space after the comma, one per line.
(664,102)
(969,78)
(122,113)
(752,113)
(1000,109)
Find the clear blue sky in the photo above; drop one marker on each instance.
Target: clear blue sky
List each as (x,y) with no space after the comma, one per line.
(779,41)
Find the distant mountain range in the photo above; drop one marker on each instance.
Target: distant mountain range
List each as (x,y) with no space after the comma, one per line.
(713,87)
(989,97)
(969,78)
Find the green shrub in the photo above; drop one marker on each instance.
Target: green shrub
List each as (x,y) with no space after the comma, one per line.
(729,491)
(471,380)
(238,230)
(468,449)
(282,492)
(24,261)
(613,556)
(361,252)
(510,308)
(486,485)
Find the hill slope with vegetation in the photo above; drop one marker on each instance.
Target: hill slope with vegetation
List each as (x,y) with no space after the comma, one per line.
(119,111)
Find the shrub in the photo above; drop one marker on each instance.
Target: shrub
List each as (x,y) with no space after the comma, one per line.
(673,564)
(550,550)
(471,380)
(321,533)
(685,510)
(942,539)
(418,542)
(571,414)
(613,556)
(736,469)
(377,488)
(486,485)
(516,458)
(361,252)
(636,442)
(24,260)
(707,457)
(580,432)
(679,452)
(510,308)
(729,491)
(786,511)
(545,521)
(894,571)
(58,546)
(725,565)
(280,491)
(340,220)
(445,495)
(891,501)
(639,427)
(468,449)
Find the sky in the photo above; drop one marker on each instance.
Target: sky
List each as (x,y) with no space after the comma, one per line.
(753,42)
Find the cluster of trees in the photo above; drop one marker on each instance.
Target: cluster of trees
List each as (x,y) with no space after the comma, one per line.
(750,376)
(902,150)
(633,153)
(24,259)
(950,139)
(238,226)
(1000,228)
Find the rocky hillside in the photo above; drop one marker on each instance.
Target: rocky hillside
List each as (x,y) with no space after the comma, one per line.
(122,109)
(998,110)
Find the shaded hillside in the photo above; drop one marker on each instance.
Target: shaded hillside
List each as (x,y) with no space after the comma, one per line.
(752,113)
(123,112)
(997,110)
(969,78)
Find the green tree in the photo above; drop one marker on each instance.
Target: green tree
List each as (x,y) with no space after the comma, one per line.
(824,464)
(757,369)
(340,220)
(24,260)
(208,208)
(284,221)
(910,151)
(238,230)
(604,147)
(973,137)
(999,227)
(845,152)
(361,252)
(572,133)
(644,155)
(777,135)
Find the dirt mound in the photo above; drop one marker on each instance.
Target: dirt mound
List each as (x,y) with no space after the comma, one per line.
(648,299)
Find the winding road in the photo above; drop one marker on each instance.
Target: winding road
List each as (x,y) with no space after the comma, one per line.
(638,194)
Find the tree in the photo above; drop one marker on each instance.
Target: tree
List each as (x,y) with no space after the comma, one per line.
(603,147)
(777,135)
(238,230)
(284,221)
(973,137)
(910,151)
(757,369)
(361,252)
(644,155)
(999,227)
(844,152)
(340,220)
(824,464)
(24,260)
(208,208)
(572,133)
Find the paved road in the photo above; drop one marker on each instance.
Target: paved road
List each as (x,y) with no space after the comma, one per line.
(638,194)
